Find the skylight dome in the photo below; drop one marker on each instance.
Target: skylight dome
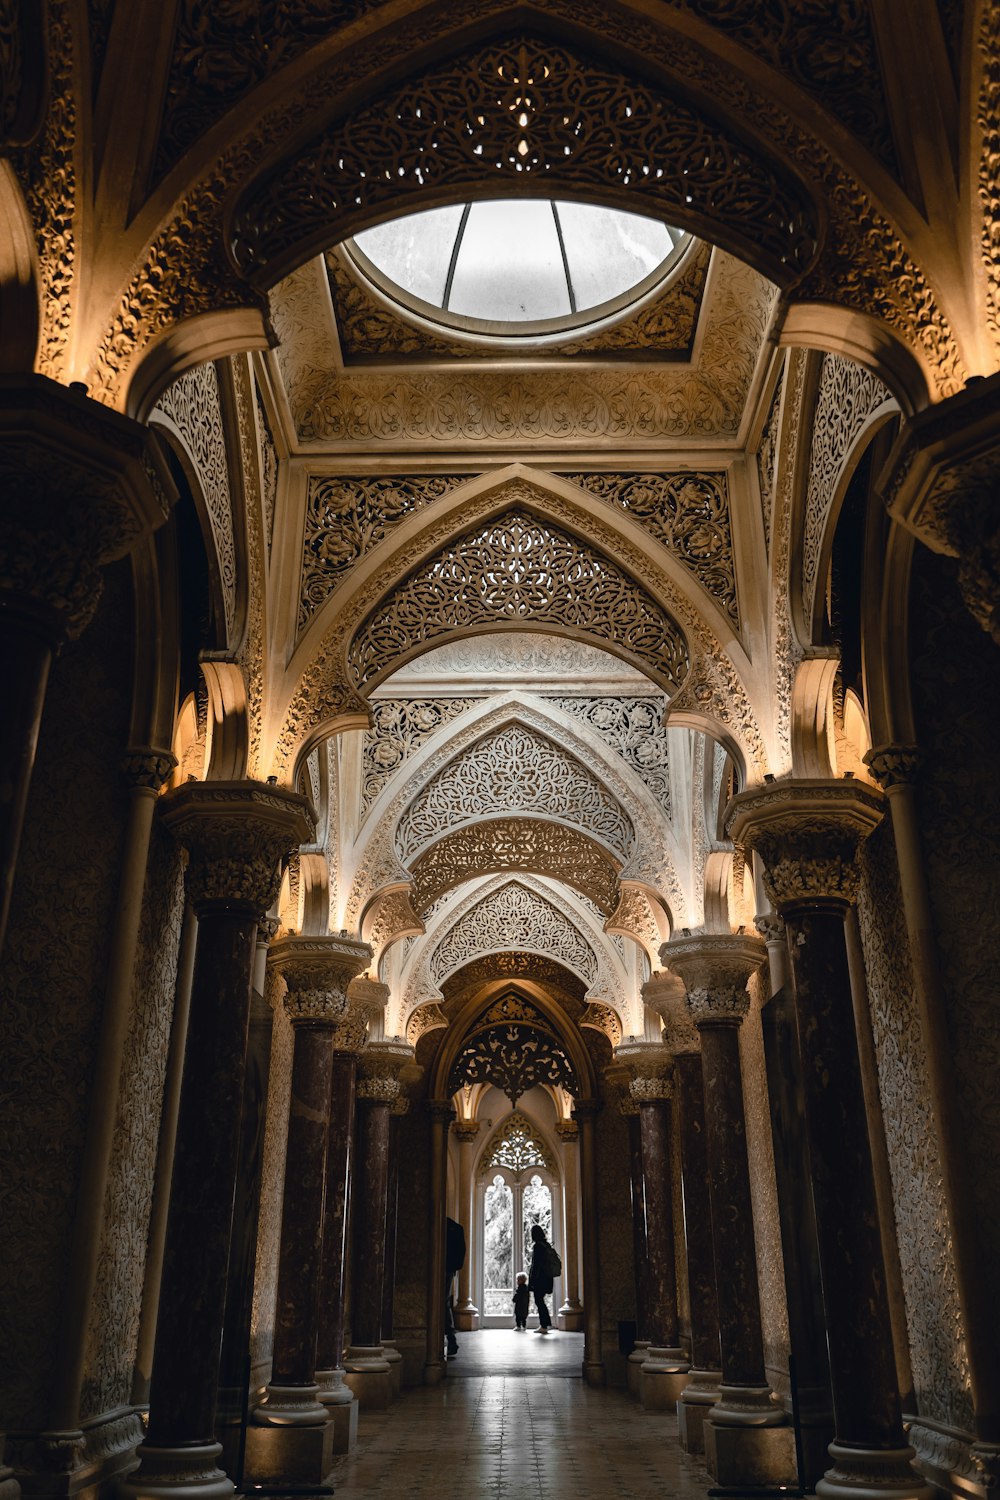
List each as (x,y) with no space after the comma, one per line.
(517,267)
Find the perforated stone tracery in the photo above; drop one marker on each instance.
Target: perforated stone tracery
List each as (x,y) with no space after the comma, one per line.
(398,729)
(514,917)
(634,728)
(517,1147)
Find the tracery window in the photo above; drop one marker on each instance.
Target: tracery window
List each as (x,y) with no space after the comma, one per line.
(517,1147)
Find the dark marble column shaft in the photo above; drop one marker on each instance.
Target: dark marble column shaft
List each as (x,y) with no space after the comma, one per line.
(638,1223)
(371,1187)
(391,1210)
(702,1295)
(340,1153)
(661,1277)
(585,1113)
(441,1114)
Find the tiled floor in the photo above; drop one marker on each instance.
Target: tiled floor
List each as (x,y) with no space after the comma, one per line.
(528,1436)
(502,1351)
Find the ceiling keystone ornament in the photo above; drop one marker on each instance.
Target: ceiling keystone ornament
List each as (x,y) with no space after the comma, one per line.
(514,1057)
(517,1146)
(318,972)
(237,834)
(584,126)
(807,833)
(715,968)
(425,1018)
(518,569)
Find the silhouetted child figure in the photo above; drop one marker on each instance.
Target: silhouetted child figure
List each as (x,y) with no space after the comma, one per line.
(520,1301)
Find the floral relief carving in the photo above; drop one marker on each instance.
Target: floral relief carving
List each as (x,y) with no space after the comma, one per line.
(988,121)
(514,1058)
(524,844)
(398,729)
(633,727)
(425,1018)
(346,517)
(268,468)
(519,568)
(194,404)
(785,648)
(514,917)
(447,125)
(686,513)
(603,1018)
(514,772)
(634,915)
(848,395)
(767,458)
(252,648)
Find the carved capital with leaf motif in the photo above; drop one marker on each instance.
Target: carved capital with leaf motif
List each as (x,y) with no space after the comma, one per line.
(665,994)
(650,1068)
(894,765)
(318,972)
(147,769)
(807,834)
(379,1069)
(715,968)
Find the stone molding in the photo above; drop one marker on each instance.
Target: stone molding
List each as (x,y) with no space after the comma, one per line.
(236,833)
(147,769)
(894,765)
(715,968)
(465,1131)
(650,1068)
(318,972)
(568,1131)
(379,1068)
(665,994)
(807,834)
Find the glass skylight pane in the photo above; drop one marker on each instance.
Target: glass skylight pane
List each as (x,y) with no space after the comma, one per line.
(415,251)
(509,266)
(609,251)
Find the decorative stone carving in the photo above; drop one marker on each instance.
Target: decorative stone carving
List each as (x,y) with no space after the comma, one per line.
(634,728)
(391,918)
(807,834)
(251,650)
(425,1018)
(398,729)
(605,1019)
(465,1131)
(767,457)
(346,517)
(516,1145)
(894,765)
(518,567)
(771,927)
(513,965)
(688,514)
(634,916)
(514,770)
(513,1058)
(650,1067)
(193,404)
(317,972)
(452,121)
(268,468)
(514,917)
(715,968)
(665,993)
(524,844)
(145,767)
(848,396)
(568,1131)
(379,1069)
(236,832)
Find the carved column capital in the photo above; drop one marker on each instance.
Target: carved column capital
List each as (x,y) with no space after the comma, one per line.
(715,968)
(79,485)
(894,765)
(147,769)
(650,1069)
(585,1110)
(807,834)
(318,972)
(770,926)
(665,994)
(441,1111)
(465,1131)
(568,1131)
(379,1069)
(236,834)
(267,929)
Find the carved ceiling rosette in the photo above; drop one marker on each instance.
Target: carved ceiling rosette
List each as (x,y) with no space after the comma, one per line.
(715,968)
(807,834)
(318,972)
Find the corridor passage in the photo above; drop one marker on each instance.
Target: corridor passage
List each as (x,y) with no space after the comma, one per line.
(529,1436)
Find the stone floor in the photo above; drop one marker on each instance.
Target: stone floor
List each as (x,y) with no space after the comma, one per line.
(539,1434)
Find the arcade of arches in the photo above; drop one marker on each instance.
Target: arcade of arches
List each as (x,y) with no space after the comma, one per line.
(530,771)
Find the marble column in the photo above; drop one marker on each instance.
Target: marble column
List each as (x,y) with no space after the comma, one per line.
(317,971)
(715,969)
(442,1114)
(466,1132)
(378,1088)
(665,994)
(570,1315)
(236,834)
(807,834)
(585,1112)
(396,1115)
(630,1112)
(80,485)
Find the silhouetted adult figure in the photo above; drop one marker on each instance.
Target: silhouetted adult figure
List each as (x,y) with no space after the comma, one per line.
(545,1266)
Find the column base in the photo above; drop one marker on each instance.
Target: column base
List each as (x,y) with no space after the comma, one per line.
(332,1390)
(395,1362)
(747,1406)
(435,1372)
(169,1473)
(366,1371)
(290,1406)
(662,1378)
(873,1474)
(295,1456)
(467,1317)
(696,1400)
(594,1374)
(569,1318)
(737,1456)
(634,1364)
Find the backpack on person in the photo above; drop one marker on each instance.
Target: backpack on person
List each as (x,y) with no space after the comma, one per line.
(553,1265)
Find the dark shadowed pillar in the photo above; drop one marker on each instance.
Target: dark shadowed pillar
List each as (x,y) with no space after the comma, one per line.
(442,1114)
(630,1112)
(807,834)
(585,1113)
(236,833)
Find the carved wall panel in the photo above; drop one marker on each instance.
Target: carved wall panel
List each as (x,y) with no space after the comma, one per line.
(268,468)
(686,513)
(513,965)
(634,728)
(346,517)
(785,648)
(398,730)
(767,458)
(514,772)
(258,523)
(451,123)
(988,121)
(193,403)
(114,1313)
(265,1285)
(524,844)
(514,917)
(848,395)
(933,1314)
(519,569)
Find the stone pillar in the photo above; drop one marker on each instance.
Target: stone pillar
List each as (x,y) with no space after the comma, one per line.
(665,993)
(392,1354)
(630,1111)
(807,834)
(80,485)
(570,1315)
(663,1372)
(378,1088)
(585,1113)
(365,997)
(441,1114)
(466,1131)
(745,1439)
(236,833)
(297,1447)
